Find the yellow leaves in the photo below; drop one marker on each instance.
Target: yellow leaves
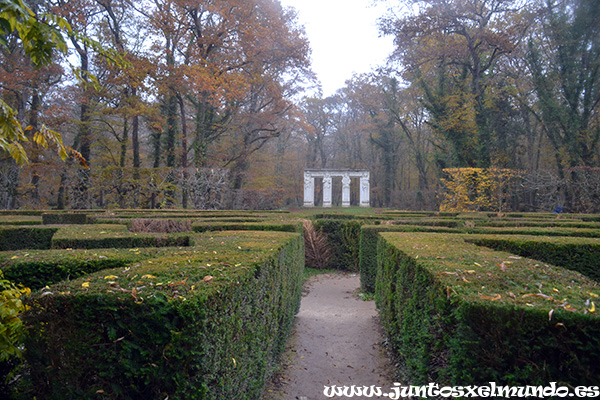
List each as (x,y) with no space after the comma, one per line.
(540,295)
(476,189)
(85,285)
(148,276)
(592,308)
(111,277)
(495,297)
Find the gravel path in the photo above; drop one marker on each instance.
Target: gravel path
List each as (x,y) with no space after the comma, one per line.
(336,341)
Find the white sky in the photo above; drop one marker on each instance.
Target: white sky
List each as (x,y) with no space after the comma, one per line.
(343,37)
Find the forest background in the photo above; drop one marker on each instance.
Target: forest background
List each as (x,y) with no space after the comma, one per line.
(212,104)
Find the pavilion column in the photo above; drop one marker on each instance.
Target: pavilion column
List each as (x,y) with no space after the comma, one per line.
(365,190)
(309,190)
(346,190)
(327,190)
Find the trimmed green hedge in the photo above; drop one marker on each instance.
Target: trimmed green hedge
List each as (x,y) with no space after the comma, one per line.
(460,314)
(369,236)
(64,219)
(20,220)
(247,226)
(204,323)
(113,236)
(36,269)
(343,238)
(577,254)
(16,238)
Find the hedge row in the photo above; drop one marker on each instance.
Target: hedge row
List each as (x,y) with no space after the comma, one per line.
(20,220)
(198,324)
(343,241)
(113,236)
(64,219)
(15,238)
(36,269)
(577,254)
(285,226)
(460,314)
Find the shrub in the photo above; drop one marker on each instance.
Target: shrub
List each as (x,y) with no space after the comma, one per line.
(343,239)
(160,225)
(49,267)
(458,314)
(193,325)
(64,219)
(15,238)
(11,329)
(262,226)
(577,254)
(113,236)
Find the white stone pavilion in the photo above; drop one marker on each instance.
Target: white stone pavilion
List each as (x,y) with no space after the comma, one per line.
(328,175)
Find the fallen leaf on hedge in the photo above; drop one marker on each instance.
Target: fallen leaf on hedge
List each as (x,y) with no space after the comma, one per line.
(85,284)
(593,294)
(13,257)
(592,308)
(502,267)
(465,279)
(471,271)
(479,265)
(494,298)
(511,295)
(514,257)
(234,362)
(569,308)
(560,324)
(550,314)
(556,290)
(148,276)
(111,277)
(102,231)
(540,295)
(134,249)
(447,273)
(208,278)
(448,292)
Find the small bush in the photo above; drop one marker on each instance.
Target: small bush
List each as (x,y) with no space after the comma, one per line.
(160,225)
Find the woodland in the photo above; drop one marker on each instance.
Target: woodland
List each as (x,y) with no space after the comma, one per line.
(211,104)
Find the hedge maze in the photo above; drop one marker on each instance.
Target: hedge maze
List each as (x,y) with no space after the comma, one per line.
(199,304)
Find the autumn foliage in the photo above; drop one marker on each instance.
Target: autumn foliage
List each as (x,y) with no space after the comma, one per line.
(477,189)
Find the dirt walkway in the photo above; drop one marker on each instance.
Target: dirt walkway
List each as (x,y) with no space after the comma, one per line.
(336,341)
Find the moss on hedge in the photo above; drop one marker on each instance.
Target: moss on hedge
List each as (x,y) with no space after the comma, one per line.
(462,314)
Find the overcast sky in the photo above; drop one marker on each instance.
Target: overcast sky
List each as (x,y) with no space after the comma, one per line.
(344,38)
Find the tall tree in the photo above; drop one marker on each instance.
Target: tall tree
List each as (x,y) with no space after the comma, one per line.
(565,64)
(452,48)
